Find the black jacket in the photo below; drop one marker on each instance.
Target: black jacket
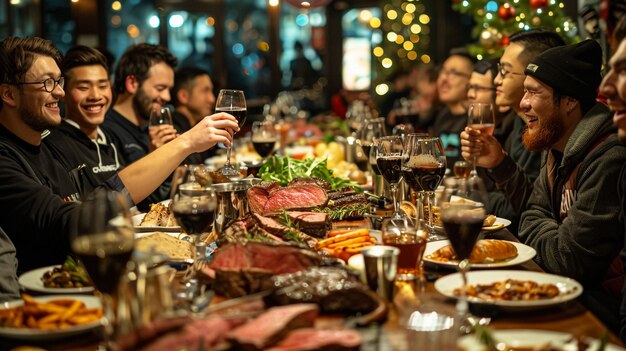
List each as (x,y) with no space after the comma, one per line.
(133,142)
(447,127)
(98,159)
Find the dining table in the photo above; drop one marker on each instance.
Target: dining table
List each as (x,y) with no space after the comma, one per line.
(570,317)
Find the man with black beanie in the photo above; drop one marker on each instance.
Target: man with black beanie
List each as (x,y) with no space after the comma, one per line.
(573,216)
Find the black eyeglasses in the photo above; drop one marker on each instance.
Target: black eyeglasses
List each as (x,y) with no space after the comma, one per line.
(476,88)
(503,73)
(49,84)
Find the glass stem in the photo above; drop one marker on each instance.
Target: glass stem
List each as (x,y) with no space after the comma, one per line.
(474,165)
(461,305)
(200,255)
(227,165)
(108,322)
(394,196)
(429,198)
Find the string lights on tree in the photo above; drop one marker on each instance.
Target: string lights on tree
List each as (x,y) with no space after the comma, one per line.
(496,20)
(405,38)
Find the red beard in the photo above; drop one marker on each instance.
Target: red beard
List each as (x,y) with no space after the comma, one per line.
(548,132)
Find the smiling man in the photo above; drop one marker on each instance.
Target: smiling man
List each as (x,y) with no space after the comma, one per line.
(573,216)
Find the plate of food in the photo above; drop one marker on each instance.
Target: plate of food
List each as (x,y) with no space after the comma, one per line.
(528,339)
(487,253)
(159,218)
(68,278)
(49,317)
(491,223)
(512,289)
(177,247)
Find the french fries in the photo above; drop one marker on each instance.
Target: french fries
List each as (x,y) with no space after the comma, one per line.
(345,243)
(53,314)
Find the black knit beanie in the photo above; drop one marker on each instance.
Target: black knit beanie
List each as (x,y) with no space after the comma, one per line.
(571,70)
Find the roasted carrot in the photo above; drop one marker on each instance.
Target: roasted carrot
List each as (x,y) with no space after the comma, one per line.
(342,237)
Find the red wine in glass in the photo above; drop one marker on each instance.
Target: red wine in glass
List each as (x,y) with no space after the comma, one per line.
(193,220)
(239,113)
(104,257)
(463,227)
(390,168)
(264,147)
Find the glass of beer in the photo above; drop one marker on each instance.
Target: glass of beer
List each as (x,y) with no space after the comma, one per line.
(403,234)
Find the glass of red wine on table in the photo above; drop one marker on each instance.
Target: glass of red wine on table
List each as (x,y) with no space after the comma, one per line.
(389,161)
(232,102)
(104,240)
(424,168)
(462,213)
(481,117)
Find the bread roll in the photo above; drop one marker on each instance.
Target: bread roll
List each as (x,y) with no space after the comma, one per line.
(485,251)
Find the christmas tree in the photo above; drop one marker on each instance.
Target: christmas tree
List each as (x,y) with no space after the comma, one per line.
(405,31)
(496,20)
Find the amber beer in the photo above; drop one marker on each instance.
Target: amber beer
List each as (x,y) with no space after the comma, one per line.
(412,248)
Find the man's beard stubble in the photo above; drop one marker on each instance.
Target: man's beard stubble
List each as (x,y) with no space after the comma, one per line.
(32,120)
(142,104)
(549,131)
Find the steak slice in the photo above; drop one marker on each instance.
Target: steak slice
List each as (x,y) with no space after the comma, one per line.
(277,228)
(348,200)
(314,223)
(295,197)
(270,327)
(310,181)
(257,198)
(311,339)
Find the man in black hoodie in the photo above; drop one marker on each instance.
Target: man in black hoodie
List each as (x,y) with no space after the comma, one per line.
(573,216)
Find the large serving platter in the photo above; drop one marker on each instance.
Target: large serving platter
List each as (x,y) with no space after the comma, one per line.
(532,339)
(31,280)
(50,334)
(524,253)
(569,288)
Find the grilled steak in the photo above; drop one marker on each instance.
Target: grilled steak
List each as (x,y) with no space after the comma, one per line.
(349,200)
(295,198)
(311,339)
(270,327)
(276,228)
(334,289)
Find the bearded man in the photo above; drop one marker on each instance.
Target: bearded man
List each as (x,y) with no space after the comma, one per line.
(573,216)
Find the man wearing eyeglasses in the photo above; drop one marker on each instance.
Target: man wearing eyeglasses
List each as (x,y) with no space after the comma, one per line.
(452,89)
(509,164)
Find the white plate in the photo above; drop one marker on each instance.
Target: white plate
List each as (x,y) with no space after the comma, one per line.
(31,280)
(531,338)
(180,236)
(497,225)
(524,253)
(139,217)
(38,334)
(569,288)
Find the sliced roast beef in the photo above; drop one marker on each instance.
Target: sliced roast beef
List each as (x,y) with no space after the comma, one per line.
(295,197)
(310,339)
(310,181)
(243,267)
(240,282)
(257,198)
(348,200)
(272,326)
(314,223)
(277,228)
(341,193)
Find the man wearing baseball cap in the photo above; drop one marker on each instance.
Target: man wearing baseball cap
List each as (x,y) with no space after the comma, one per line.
(573,216)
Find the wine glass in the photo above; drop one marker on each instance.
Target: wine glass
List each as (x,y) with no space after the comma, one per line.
(193,205)
(409,141)
(389,161)
(370,133)
(481,117)
(264,137)
(462,213)
(103,240)
(232,102)
(426,165)
(160,116)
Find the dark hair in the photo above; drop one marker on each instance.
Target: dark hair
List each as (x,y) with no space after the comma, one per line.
(535,41)
(137,60)
(430,71)
(81,55)
(18,54)
(463,53)
(484,66)
(619,32)
(183,79)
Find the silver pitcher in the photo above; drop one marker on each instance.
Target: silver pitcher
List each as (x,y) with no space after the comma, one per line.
(232,203)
